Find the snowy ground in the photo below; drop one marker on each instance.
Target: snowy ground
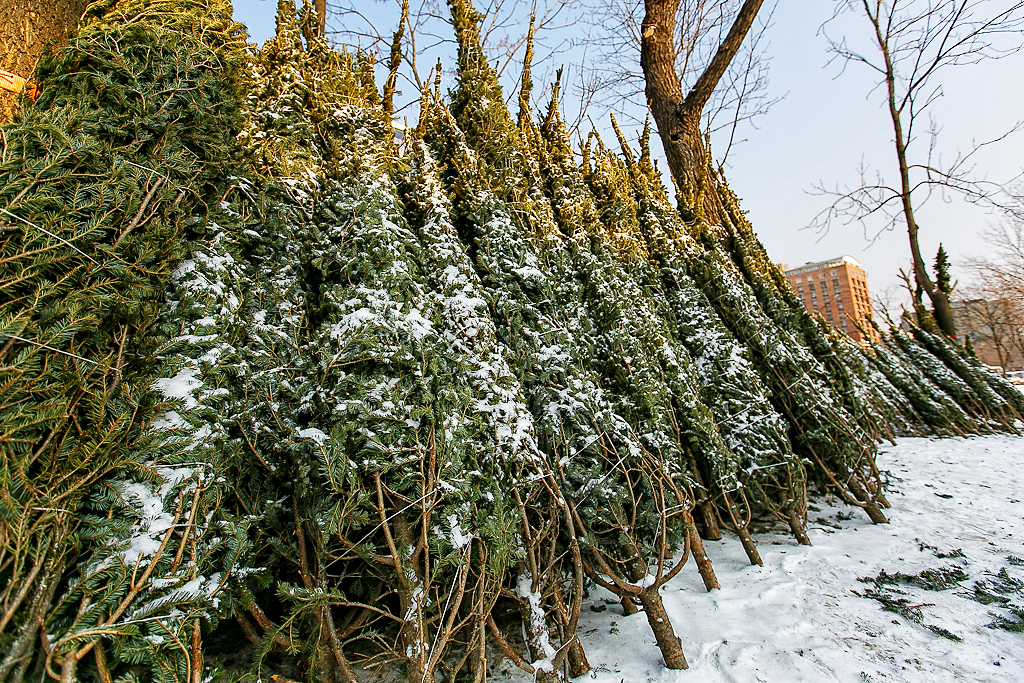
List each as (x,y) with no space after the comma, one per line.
(797,617)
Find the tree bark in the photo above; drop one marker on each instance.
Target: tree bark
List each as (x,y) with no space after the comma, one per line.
(102,670)
(197,653)
(867,502)
(678,118)
(668,642)
(796,525)
(707,572)
(321,13)
(28,26)
(749,547)
(535,628)
(69,669)
(744,535)
(577,655)
(579,665)
(712,532)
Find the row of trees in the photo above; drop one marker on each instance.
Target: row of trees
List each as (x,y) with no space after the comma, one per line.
(387,410)
(699,67)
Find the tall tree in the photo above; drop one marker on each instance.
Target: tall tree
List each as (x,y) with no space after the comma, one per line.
(943,280)
(679,118)
(912,41)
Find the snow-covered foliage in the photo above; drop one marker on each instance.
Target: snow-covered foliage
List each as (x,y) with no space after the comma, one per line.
(381,411)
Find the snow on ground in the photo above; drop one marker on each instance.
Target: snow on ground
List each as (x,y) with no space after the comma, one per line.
(797,617)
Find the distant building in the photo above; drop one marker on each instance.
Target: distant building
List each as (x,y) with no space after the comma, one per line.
(836,289)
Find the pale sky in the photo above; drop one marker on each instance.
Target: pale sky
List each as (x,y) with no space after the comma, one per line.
(823,129)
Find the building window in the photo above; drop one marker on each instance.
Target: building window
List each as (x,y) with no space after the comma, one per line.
(840,305)
(799,279)
(800,289)
(832,273)
(828,308)
(811,286)
(814,295)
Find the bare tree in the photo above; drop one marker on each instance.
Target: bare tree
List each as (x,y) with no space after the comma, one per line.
(912,42)
(995,324)
(1004,261)
(407,34)
(679,118)
(889,301)
(995,300)
(616,81)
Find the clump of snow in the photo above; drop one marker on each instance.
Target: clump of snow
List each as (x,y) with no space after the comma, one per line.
(314,435)
(459,538)
(181,386)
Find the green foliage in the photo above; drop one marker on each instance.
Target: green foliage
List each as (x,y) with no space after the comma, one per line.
(478,107)
(936,409)
(267,375)
(883,589)
(943,281)
(969,346)
(100,181)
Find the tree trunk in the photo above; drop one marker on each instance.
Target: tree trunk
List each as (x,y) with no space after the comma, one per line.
(709,530)
(707,572)
(741,530)
(678,118)
(709,515)
(941,308)
(321,13)
(868,504)
(748,546)
(69,669)
(197,653)
(577,655)
(797,526)
(940,302)
(668,642)
(536,628)
(412,595)
(579,665)
(29,26)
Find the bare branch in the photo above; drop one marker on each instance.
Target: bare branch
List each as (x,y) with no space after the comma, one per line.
(911,42)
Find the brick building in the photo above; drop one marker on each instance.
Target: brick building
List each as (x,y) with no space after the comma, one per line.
(836,289)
